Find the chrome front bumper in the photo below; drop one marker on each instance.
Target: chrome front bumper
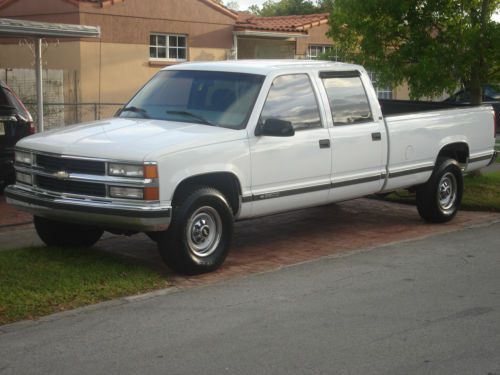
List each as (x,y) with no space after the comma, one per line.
(102,213)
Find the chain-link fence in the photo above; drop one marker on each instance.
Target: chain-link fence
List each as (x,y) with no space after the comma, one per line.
(57,115)
(62,105)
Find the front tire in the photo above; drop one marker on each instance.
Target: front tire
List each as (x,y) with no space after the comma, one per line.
(200,233)
(439,199)
(58,233)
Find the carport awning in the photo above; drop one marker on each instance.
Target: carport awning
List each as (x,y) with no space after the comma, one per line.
(37,30)
(34,29)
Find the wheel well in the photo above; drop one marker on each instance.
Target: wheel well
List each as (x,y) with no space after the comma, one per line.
(458,151)
(227,183)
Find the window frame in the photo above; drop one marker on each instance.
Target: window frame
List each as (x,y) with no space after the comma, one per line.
(324,49)
(168,47)
(272,79)
(386,92)
(346,74)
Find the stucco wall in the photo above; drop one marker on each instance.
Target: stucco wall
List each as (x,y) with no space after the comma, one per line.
(133,20)
(64,55)
(124,68)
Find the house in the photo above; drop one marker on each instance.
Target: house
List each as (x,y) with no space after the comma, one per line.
(92,77)
(282,37)
(137,38)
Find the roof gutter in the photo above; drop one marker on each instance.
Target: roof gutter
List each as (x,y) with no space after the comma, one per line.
(269,34)
(33,29)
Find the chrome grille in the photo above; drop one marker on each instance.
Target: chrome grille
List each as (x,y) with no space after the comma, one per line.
(55,164)
(72,187)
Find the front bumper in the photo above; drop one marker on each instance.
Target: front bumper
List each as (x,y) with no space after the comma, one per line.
(101,213)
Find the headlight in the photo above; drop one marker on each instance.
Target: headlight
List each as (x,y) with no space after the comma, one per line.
(126,170)
(23,157)
(24,178)
(126,192)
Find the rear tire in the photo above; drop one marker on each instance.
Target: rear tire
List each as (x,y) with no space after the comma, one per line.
(439,199)
(200,233)
(58,233)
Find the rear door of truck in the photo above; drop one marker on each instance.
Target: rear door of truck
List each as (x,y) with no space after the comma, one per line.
(357,134)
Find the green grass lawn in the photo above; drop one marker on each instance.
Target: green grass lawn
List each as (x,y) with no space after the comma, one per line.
(40,281)
(481,193)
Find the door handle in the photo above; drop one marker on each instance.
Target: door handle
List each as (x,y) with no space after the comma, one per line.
(324,143)
(376,136)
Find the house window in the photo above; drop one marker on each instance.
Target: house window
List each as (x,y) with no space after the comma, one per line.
(314,52)
(382,92)
(167,47)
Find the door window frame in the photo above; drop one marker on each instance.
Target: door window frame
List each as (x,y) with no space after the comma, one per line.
(313,89)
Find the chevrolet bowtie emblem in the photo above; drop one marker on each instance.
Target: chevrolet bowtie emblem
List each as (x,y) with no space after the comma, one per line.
(61,175)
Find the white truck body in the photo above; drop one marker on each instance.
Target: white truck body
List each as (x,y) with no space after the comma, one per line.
(316,166)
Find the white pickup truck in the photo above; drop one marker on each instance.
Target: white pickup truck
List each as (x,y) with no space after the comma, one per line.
(204,144)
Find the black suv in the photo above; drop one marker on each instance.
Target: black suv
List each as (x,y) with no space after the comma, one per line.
(15,123)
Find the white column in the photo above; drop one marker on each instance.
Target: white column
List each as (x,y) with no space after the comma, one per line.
(39,83)
(235,46)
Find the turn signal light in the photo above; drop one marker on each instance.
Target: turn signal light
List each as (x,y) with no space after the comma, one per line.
(151,194)
(150,171)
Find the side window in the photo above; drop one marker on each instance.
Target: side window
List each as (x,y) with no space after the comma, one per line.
(291,98)
(348,101)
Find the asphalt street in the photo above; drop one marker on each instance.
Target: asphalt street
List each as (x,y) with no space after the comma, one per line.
(430,306)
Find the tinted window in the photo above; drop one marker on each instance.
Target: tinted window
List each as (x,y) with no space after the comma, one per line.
(348,100)
(291,98)
(220,98)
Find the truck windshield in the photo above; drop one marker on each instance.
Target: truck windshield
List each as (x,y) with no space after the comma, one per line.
(211,98)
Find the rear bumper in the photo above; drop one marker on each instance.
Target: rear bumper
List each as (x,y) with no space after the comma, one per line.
(103,213)
(493,158)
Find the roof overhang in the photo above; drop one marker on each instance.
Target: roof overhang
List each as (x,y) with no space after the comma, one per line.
(34,29)
(269,34)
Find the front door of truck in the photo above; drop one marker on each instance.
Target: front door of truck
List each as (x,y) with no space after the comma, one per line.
(293,171)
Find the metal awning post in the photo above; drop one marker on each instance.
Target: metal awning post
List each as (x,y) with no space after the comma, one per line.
(235,46)
(39,83)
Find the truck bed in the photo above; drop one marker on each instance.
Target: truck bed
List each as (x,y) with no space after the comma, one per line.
(419,130)
(392,107)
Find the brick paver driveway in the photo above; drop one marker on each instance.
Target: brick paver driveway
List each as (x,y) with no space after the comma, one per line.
(276,241)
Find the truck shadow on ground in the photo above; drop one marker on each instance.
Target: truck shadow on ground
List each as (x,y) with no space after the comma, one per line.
(284,239)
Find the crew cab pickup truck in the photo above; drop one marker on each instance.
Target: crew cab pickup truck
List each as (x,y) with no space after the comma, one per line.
(204,144)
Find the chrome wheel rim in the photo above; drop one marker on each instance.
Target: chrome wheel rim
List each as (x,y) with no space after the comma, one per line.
(204,231)
(447,192)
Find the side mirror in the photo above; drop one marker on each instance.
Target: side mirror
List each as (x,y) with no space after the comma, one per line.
(118,112)
(274,127)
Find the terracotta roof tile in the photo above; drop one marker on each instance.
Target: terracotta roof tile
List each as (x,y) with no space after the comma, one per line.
(296,23)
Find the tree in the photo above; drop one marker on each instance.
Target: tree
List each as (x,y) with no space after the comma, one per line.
(231,4)
(289,7)
(434,45)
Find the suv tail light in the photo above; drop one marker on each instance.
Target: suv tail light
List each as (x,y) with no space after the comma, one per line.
(32,129)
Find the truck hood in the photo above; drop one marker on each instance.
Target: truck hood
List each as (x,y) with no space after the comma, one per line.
(128,139)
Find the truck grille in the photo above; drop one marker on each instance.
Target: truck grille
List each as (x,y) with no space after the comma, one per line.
(72,187)
(55,164)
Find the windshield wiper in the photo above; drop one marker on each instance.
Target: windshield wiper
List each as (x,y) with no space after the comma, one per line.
(193,115)
(136,110)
